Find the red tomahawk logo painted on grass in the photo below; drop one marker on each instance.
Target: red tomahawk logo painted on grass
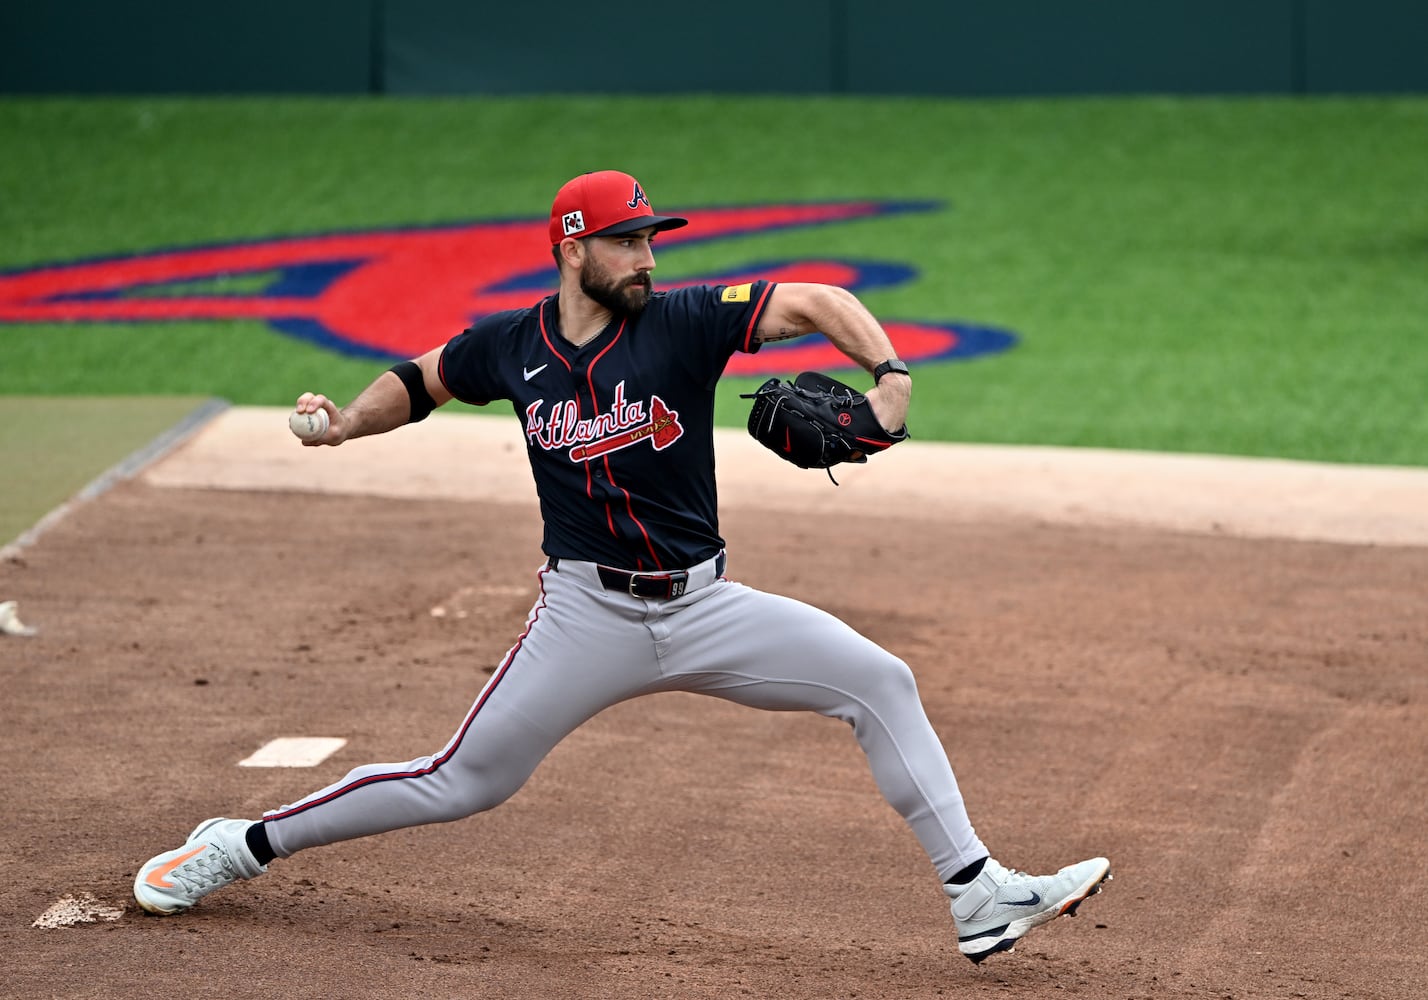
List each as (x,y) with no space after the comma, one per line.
(662,430)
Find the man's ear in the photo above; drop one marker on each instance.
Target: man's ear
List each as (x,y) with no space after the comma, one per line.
(572,251)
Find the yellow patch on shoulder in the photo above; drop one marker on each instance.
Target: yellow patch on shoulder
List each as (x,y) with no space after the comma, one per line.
(736,293)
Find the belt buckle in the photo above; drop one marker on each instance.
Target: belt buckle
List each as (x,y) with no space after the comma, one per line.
(675,582)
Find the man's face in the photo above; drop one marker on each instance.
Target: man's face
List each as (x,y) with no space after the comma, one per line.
(616,272)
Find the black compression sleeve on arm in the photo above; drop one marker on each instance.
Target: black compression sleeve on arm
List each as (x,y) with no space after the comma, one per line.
(421,402)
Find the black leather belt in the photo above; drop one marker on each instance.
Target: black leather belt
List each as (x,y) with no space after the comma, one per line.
(650,586)
(647,586)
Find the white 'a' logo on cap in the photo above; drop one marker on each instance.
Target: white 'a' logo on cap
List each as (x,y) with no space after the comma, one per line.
(574,222)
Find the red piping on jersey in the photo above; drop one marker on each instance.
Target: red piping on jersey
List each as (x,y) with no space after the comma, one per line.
(630,509)
(609,473)
(455,745)
(595,412)
(545,335)
(754,319)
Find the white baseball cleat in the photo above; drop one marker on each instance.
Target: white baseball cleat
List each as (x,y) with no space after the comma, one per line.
(216,854)
(10,623)
(1002,904)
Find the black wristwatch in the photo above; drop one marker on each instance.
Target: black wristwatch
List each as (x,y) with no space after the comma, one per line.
(890,365)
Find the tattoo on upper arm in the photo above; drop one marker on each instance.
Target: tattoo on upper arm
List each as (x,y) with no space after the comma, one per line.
(765,336)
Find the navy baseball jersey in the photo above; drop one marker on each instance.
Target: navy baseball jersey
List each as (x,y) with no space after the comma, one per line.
(619,431)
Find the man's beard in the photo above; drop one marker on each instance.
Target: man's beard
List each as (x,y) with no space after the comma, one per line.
(623,298)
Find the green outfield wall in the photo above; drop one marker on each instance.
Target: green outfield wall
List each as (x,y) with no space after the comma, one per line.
(431,47)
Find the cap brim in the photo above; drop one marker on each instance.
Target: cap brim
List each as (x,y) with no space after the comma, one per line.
(659,223)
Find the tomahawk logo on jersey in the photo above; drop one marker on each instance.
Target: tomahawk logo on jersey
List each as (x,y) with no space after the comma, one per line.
(622,425)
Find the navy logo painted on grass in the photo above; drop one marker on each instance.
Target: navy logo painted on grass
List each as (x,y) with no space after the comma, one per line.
(397,293)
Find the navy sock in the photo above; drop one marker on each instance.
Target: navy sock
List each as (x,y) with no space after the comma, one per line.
(257,838)
(966,875)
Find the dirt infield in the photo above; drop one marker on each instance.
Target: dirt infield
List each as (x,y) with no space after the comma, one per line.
(1237,721)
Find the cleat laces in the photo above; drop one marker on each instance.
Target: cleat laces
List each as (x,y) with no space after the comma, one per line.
(206,872)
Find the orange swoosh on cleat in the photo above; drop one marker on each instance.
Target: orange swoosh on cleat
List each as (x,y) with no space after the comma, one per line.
(156,877)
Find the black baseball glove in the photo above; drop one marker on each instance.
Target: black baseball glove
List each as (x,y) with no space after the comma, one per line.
(817,422)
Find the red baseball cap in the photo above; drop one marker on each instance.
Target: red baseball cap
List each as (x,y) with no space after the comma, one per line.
(604,203)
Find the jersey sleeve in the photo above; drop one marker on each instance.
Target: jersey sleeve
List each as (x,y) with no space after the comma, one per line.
(725,318)
(469,368)
(742,306)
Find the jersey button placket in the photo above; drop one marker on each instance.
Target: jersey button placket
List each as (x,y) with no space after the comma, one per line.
(588,409)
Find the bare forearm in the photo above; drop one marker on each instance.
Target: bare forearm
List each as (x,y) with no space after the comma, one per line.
(797,309)
(384,405)
(851,328)
(838,314)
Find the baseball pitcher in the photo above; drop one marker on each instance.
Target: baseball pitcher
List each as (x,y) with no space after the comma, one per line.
(613,384)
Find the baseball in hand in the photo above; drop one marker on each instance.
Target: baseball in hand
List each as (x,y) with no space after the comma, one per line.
(308,426)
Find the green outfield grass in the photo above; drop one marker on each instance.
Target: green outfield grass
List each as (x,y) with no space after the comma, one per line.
(1224,276)
(55,446)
